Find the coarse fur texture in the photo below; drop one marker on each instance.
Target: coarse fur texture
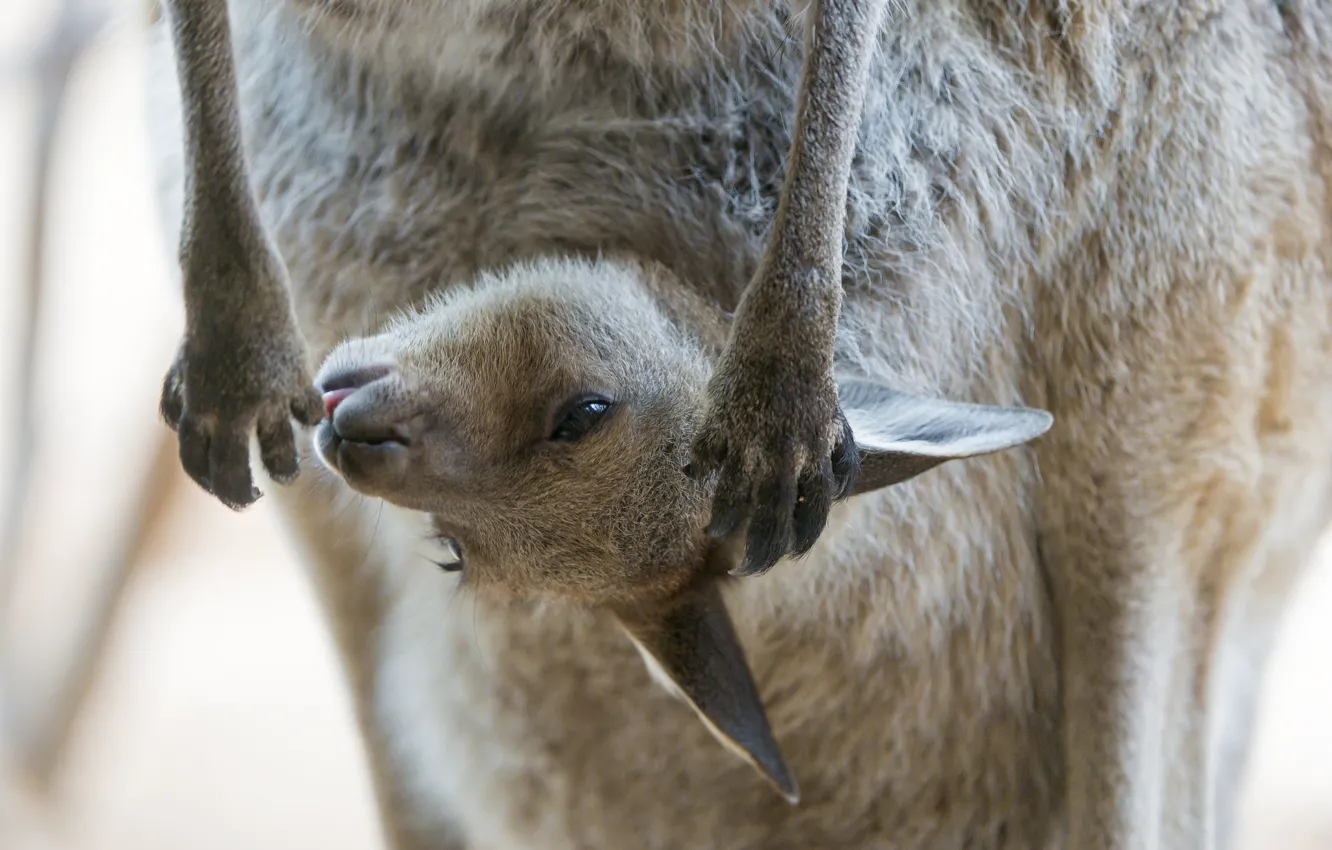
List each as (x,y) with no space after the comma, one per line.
(1112,210)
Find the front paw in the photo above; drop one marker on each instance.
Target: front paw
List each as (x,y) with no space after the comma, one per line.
(784,452)
(219,391)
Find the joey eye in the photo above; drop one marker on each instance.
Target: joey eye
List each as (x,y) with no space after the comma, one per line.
(449,556)
(580,418)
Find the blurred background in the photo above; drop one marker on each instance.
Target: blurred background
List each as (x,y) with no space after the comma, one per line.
(165,678)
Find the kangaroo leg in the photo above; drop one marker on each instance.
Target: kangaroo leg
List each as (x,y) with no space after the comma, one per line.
(771,425)
(242,365)
(1144,605)
(1116,671)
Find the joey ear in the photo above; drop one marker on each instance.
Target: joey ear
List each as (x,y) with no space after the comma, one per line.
(690,649)
(899,436)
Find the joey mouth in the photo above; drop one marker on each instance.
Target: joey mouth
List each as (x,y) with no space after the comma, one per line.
(365,436)
(369,463)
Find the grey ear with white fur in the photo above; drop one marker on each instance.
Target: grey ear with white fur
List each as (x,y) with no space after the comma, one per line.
(899,436)
(691,650)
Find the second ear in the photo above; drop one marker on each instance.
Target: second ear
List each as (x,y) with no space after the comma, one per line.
(899,435)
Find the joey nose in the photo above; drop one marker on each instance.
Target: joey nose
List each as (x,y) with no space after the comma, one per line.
(367,406)
(336,388)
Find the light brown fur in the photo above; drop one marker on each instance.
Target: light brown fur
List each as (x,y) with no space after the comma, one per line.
(1113,211)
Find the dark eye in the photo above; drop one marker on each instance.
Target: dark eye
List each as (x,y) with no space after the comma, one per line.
(450,555)
(580,418)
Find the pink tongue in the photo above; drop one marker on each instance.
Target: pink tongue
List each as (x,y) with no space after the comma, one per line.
(333,398)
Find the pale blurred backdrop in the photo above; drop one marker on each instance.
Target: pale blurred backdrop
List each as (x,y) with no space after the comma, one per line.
(218,718)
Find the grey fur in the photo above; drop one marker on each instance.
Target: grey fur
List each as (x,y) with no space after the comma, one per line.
(1115,211)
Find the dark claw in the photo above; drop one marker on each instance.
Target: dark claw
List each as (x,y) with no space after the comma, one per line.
(172,405)
(812,506)
(309,408)
(730,504)
(229,470)
(194,451)
(770,530)
(277,444)
(845,460)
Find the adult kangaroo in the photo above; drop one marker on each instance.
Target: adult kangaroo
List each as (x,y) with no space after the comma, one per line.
(1113,211)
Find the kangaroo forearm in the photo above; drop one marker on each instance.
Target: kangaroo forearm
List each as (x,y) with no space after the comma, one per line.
(798,288)
(240,370)
(808,226)
(771,424)
(221,221)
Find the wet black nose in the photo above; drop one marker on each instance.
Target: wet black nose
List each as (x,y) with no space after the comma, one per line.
(338,386)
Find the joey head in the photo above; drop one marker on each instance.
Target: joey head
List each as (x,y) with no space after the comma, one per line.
(542,416)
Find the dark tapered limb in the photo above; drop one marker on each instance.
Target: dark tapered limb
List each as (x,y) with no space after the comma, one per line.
(242,365)
(771,429)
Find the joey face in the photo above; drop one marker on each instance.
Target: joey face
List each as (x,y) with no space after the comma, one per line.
(542,419)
